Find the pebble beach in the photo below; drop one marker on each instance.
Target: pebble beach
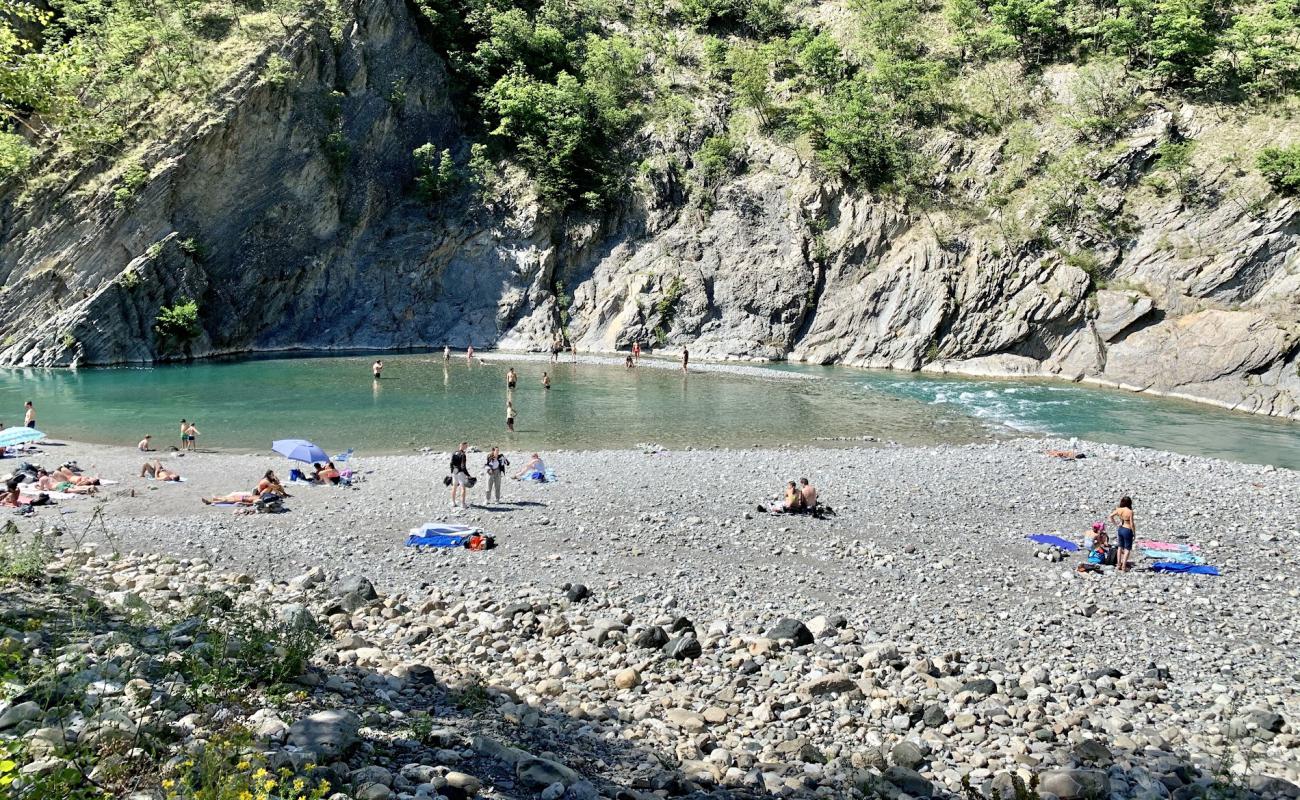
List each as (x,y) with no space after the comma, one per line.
(914,639)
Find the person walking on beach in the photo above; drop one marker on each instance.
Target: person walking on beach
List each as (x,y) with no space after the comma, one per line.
(460,475)
(511,378)
(377,368)
(686,358)
(1122,516)
(191,435)
(546,381)
(496,467)
(510,416)
(556,346)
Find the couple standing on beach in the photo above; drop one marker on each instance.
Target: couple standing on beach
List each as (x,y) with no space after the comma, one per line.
(461,481)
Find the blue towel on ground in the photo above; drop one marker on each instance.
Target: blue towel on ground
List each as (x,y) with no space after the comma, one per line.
(1054,541)
(1165,555)
(436,540)
(1177,566)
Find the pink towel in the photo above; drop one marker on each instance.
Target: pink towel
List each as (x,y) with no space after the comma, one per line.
(1177,548)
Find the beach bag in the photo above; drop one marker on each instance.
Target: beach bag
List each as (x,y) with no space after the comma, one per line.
(295,474)
(480,542)
(1112,556)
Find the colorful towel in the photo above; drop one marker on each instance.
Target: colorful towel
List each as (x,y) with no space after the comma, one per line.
(1181,558)
(1171,546)
(1192,569)
(1054,541)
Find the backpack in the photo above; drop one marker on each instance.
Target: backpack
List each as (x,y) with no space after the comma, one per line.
(480,542)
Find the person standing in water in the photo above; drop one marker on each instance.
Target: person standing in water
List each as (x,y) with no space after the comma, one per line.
(496,467)
(184,437)
(686,358)
(377,368)
(546,381)
(29,414)
(511,378)
(446,353)
(1122,516)
(636,352)
(469,354)
(510,416)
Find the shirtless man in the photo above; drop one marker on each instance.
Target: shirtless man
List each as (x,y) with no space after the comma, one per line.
(546,381)
(686,359)
(469,355)
(1122,516)
(29,414)
(511,378)
(191,435)
(446,353)
(146,444)
(809,494)
(184,439)
(377,368)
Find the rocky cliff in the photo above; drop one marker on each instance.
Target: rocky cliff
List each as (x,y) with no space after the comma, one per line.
(287,212)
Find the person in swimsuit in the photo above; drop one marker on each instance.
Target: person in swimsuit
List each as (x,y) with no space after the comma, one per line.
(510,416)
(146,444)
(1122,516)
(29,414)
(546,381)
(269,483)
(808,494)
(627,362)
(377,368)
(686,359)
(10,497)
(469,355)
(446,352)
(535,469)
(636,351)
(511,378)
(154,469)
(184,439)
(191,435)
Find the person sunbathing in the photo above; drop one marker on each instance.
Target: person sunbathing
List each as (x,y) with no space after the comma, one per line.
(58,482)
(535,469)
(64,473)
(234,498)
(154,469)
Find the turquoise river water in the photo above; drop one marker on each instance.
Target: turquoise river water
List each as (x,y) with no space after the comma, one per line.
(243,405)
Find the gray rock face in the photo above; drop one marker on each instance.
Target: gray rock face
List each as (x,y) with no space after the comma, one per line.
(329,734)
(299,251)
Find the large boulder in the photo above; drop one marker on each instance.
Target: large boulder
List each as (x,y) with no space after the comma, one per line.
(329,734)
(792,630)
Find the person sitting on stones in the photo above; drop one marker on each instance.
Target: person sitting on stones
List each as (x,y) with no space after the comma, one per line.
(10,496)
(791,504)
(154,469)
(808,493)
(269,483)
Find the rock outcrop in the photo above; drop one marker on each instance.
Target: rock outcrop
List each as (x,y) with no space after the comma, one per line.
(287,243)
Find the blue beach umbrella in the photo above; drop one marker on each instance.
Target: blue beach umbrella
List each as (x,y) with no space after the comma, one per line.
(10,437)
(299,450)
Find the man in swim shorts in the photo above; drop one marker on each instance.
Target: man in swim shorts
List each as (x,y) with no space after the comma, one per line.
(377,368)
(29,414)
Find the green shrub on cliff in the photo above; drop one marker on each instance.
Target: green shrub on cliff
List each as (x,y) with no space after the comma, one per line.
(178,325)
(1280,166)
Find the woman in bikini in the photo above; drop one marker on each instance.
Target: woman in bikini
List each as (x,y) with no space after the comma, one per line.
(1122,516)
